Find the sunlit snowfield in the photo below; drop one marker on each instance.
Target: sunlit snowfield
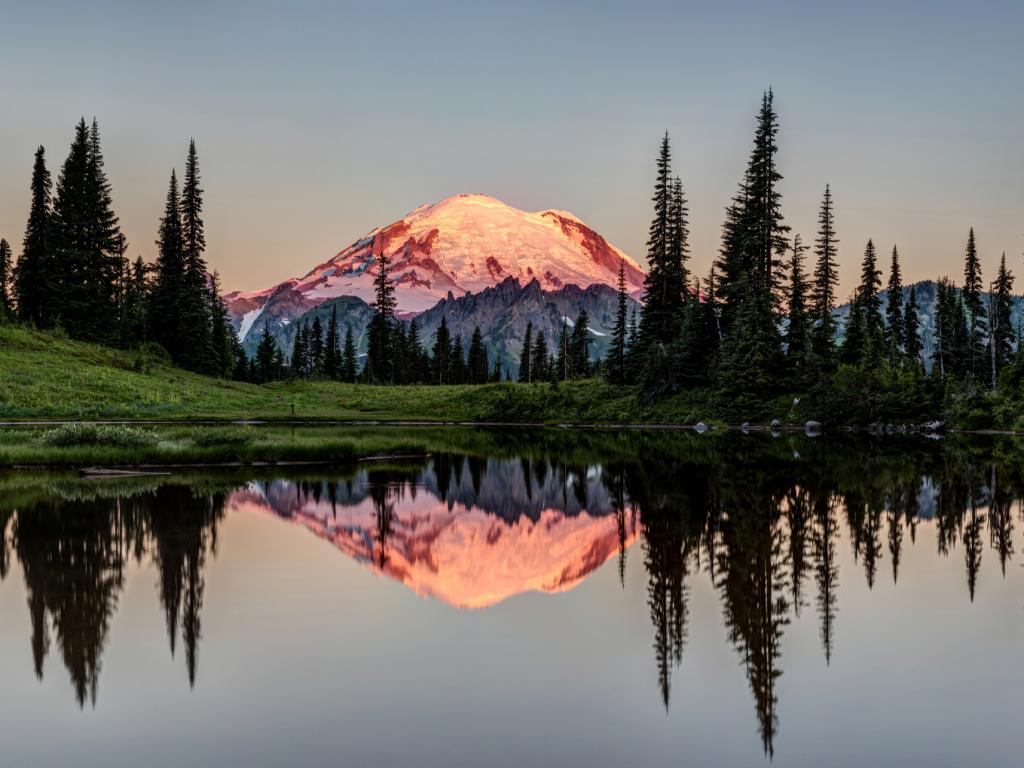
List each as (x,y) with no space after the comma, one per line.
(722,602)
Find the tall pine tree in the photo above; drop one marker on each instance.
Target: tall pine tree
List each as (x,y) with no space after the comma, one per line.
(977,326)
(33,279)
(579,346)
(332,352)
(616,369)
(380,349)
(826,278)
(667,251)
(349,358)
(1002,335)
(196,326)
(797,336)
(871,304)
(894,309)
(525,357)
(911,329)
(166,298)
(87,242)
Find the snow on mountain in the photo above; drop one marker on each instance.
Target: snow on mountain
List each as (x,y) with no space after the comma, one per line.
(468,537)
(458,246)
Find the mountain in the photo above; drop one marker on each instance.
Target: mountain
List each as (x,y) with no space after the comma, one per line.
(459,535)
(926,293)
(502,312)
(458,246)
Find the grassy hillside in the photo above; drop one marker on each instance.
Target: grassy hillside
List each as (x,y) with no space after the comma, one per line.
(46,376)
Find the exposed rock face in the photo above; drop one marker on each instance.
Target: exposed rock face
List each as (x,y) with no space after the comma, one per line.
(502,312)
(459,246)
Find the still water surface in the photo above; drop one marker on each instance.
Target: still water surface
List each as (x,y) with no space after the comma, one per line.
(555,599)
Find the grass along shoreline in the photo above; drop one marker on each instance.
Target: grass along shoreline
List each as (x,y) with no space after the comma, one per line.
(45,377)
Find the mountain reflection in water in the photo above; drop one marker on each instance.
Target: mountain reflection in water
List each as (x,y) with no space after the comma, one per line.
(763,520)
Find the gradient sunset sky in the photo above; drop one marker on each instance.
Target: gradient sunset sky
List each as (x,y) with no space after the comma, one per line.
(316,121)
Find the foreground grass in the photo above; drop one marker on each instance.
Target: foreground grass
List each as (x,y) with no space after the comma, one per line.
(46,376)
(219,445)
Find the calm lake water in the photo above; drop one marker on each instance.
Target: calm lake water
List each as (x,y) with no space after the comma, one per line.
(583,599)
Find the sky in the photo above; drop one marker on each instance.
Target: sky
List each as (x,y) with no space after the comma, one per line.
(317,121)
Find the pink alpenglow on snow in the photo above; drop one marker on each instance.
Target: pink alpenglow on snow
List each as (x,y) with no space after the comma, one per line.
(455,553)
(460,245)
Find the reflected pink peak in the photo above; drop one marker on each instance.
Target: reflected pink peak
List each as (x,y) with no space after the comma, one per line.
(460,555)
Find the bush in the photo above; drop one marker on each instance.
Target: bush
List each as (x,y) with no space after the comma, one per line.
(109,435)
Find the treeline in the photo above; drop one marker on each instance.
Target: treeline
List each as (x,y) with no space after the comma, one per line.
(73,273)
(323,354)
(397,355)
(759,324)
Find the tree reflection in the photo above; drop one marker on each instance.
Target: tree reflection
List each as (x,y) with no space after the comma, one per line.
(73,554)
(762,524)
(755,519)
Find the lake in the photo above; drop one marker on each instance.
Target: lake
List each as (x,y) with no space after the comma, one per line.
(552,598)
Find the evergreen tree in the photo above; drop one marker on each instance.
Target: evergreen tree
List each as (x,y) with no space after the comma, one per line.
(316,348)
(222,333)
(166,299)
(349,358)
(797,336)
(563,358)
(870,304)
(540,367)
(197,351)
(300,352)
(657,320)
(945,309)
(526,356)
(496,372)
(579,346)
(457,364)
(826,278)
(764,223)
(975,309)
(1001,344)
(380,349)
(33,287)
(894,309)
(752,361)
(332,354)
(419,362)
(755,238)
(479,370)
(442,354)
(88,245)
(694,352)
(911,333)
(5,279)
(678,244)
(616,369)
(266,361)
(633,350)
(135,304)
(855,341)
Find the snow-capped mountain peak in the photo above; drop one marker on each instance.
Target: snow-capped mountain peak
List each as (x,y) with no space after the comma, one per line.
(460,245)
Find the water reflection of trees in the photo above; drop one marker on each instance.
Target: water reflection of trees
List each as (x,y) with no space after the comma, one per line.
(760,520)
(74,553)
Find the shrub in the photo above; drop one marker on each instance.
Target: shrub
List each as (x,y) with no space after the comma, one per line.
(109,435)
